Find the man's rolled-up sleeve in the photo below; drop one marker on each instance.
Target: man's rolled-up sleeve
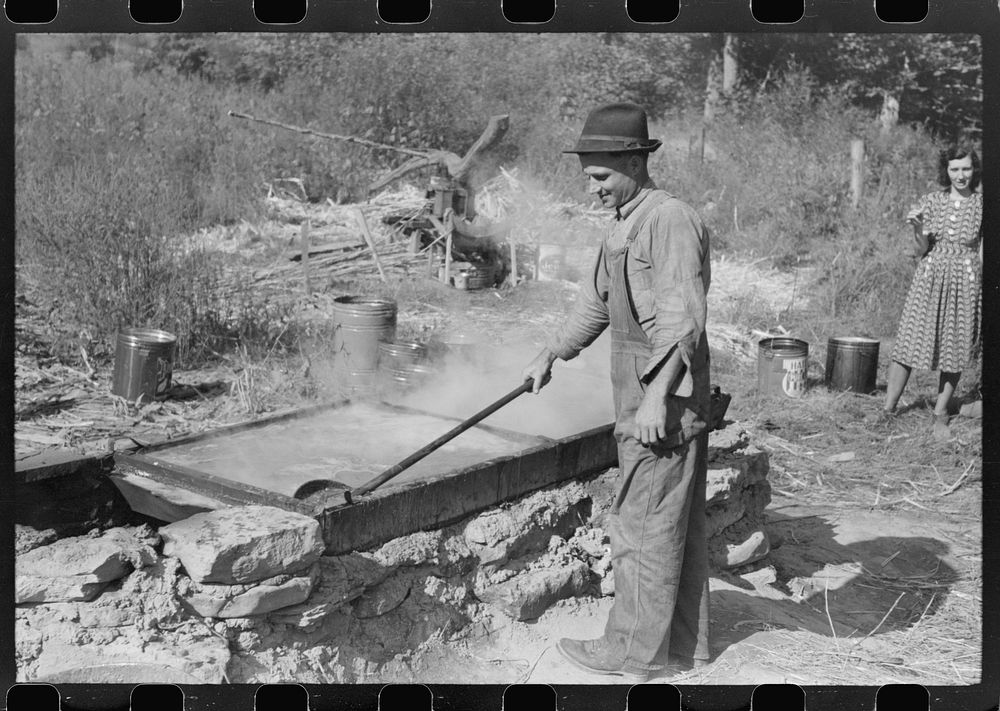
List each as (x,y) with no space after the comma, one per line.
(677,246)
(589,316)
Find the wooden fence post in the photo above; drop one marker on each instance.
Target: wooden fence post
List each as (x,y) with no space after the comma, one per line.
(447,247)
(305,257)
(696,144)
(513,261)
(857,171)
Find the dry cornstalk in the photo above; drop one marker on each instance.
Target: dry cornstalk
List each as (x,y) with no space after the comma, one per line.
(889,559)
(894,502)
(884,618)
(445,231)
(86,362)
(368,239)
(789,494)
(922,615)
(826,603)
(798,454)
(958,482)
(914,503)
(305,257)
(334,265)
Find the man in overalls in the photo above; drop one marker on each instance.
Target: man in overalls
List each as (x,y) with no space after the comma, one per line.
(649,284)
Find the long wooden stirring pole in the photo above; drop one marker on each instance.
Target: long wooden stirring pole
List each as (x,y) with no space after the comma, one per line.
(397,469)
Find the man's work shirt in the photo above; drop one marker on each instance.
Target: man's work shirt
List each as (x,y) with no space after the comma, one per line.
(668,277)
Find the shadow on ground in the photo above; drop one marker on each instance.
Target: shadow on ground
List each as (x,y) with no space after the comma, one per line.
(846,580)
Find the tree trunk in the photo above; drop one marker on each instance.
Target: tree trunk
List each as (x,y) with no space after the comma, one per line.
(713,87)
(730,64)
(713,94)
(857,171)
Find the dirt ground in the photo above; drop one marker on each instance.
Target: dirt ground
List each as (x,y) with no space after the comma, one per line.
(875,571)
(838,603)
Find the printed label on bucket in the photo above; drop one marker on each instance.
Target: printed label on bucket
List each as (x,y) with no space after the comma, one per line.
(163,373)
(794,381)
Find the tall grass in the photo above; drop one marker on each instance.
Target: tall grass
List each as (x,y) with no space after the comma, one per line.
(777,188)
(116,158)
(110,170)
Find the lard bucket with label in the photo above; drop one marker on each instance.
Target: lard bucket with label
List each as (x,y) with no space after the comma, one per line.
(781,367)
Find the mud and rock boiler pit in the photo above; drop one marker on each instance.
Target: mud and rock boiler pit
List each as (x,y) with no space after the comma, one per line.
(266,462)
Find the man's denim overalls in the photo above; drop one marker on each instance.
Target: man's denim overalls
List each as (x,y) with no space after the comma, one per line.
(657,524)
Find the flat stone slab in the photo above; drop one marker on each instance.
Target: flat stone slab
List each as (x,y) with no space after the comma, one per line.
(737,491)
(107,558)
(127,660)
(74,557)
(503,534)
(418,548)
(243,544)
(259,598)
(740,544)
(343,579)
(740,472)
(529,594)
(78,568)
(66,588)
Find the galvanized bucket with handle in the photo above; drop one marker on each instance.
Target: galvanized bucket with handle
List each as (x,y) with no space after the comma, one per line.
(144,363)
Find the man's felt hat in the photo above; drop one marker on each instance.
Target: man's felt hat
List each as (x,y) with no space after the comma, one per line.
(616,128)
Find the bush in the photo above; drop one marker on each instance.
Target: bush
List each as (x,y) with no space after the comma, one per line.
(77,112)
(119,152)
(100,241)
(110,170)
(779,189)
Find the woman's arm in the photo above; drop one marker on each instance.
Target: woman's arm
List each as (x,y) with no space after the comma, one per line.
(922,242)
(921,239)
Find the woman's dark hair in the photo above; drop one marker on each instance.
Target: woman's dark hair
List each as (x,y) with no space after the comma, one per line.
(956,153)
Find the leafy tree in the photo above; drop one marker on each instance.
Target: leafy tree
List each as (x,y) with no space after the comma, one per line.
(937,79)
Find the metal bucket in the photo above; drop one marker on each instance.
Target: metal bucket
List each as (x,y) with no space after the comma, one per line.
(459,347)
(551,262)
(144,363)
(406,378)
(472,277)
(360,324)
(851,364)
(781,366)
(480,277)
(400,362)
(400,353)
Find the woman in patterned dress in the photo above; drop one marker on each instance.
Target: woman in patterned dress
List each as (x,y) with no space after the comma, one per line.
(939,328)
